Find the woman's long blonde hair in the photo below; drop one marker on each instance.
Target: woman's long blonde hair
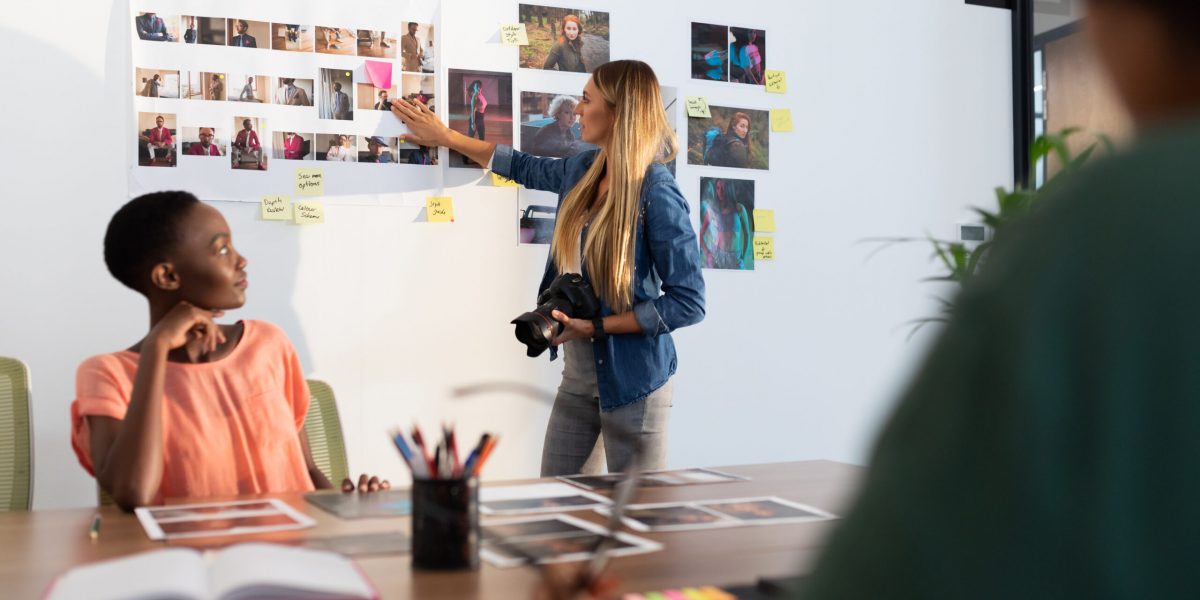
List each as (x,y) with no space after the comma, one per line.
(641,136)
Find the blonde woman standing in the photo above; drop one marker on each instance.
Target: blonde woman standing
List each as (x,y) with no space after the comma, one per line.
(624,225)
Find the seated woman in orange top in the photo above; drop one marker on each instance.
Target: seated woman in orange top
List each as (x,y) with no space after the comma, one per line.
(195,408)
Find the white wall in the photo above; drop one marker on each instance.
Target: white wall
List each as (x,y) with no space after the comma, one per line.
(903,117)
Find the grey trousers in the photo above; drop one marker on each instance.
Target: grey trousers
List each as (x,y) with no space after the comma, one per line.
(579,433)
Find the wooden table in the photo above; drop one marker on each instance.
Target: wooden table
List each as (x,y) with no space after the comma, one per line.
(35,547)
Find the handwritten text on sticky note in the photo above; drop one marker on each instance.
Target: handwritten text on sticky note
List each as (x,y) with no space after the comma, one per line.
(697,106)
(440,209)
(764,220)
(310,182)
(499,181)
(764,248)
(276,208)
(308,212)
(776,82)
(514,34)
(781,120)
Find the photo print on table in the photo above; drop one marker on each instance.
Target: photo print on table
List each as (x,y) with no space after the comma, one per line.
(564,39)
(156,139)
(731,137)
(480,107)
(726,223)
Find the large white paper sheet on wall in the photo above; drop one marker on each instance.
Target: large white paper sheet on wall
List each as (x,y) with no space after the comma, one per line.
(253,89)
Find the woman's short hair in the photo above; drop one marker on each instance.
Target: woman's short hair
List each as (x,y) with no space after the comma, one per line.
(141,234)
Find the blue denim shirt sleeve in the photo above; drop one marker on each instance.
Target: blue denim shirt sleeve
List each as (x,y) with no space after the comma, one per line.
(676,253)
(533,172)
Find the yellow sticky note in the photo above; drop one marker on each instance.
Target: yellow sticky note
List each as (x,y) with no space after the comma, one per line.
(764,248)
(440,209)
(776,82)
(514,34)
(697,106)
(308,212)
(276,208)
(310,182)
(781,120)
(764,220)
(499,181)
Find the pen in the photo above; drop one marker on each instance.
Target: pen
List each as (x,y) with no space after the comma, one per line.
(453,444)
(94,532)
(417,467)
(419,440)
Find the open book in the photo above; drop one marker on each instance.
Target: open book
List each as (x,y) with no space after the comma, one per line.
(240,572)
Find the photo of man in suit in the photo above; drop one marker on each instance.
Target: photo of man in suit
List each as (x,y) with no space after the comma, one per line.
(153,28)
(243,39)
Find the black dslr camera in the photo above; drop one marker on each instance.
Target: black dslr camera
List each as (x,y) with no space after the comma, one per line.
(570,295)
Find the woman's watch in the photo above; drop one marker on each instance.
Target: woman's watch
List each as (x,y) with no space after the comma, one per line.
(598,325)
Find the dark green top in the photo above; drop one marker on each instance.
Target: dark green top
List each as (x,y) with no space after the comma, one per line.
(1050,445)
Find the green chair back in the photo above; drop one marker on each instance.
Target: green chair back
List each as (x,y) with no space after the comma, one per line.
(324,430)
(16,437)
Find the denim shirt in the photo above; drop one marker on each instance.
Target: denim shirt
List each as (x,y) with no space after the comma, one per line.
(668,287)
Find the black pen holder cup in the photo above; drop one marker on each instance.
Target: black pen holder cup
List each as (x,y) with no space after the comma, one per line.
(445,524)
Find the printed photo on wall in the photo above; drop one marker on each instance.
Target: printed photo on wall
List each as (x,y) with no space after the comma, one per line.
(337,147)
(336,40)
(377,149)
(212,86)
(710,54)
(191,85)
(205,141)
(419,88)
(247,151)
(727,223)
(291,37)
(249,88)
(416,48)
(564,39)
(732,137)
(208,30)
(376,43)
(290,91)
(412,154)
(243,33)
(157,83)
(747,55)
(373,98)
(721,53)
(549,125)
(480,107)
(156,139)
(289,145)
(536,220)
(337,89)
(153,27)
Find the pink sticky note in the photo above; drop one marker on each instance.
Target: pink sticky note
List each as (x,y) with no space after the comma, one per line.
(380,73)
